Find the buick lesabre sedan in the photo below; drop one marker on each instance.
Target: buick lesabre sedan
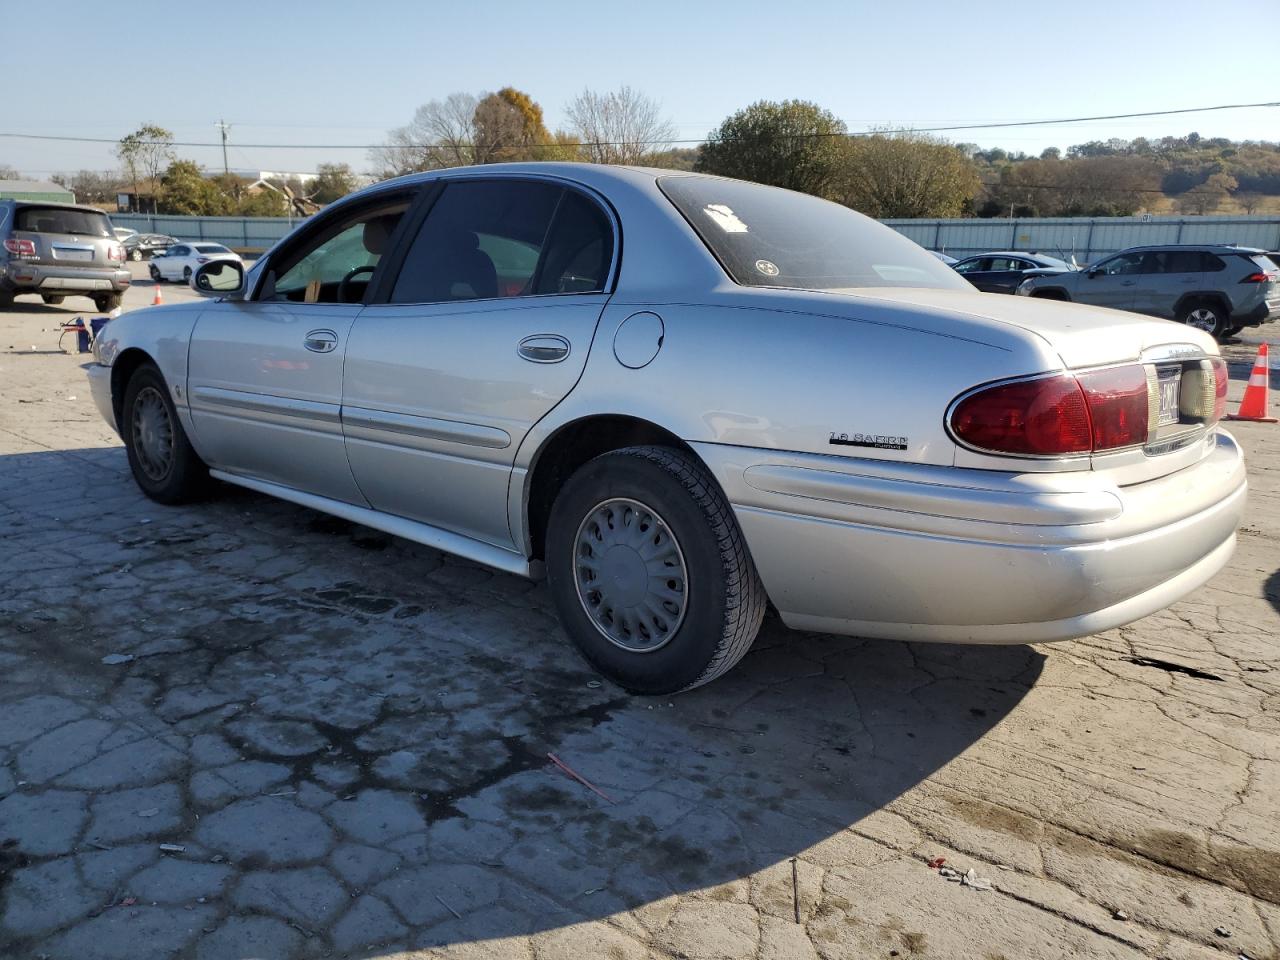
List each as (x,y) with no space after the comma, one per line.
(683,398)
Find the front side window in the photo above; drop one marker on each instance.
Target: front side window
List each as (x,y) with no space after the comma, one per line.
(1122,265)
(974,265)
(337,264)
(488,239)
(769,237)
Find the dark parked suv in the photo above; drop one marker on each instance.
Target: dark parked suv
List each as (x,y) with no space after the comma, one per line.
(1217,289)
(55,250)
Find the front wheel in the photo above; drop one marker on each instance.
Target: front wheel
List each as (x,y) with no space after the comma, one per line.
(1208,317)
(163,462)
(135,254)
(649,571)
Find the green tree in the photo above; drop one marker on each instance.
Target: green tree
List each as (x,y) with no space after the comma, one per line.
(186,191)
(793,144)
(263,202)
(1208,196)
(333,182)
(905,174)
(144,154)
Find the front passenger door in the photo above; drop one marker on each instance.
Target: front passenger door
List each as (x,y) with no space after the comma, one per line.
(1112,283)
(265,374)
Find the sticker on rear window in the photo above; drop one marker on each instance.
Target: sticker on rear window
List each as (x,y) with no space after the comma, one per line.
(768,268)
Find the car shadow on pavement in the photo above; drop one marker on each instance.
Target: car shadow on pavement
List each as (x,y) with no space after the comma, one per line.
(358,731)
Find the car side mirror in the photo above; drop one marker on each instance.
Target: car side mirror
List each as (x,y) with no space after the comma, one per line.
(219,278)
(1092,272)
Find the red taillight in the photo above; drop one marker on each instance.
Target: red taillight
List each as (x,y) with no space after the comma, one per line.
(1259,277)
(115,252)
(21,248)
(1221,379)
(1039,417)
(1057,416)
(202,259)
(1118,406)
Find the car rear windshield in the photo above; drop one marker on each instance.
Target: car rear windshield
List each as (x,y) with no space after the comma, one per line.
(87,223)
(768,237)
(210,248)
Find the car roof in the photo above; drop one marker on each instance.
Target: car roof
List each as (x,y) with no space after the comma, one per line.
(1201,247)
(1023,254)
(61,206)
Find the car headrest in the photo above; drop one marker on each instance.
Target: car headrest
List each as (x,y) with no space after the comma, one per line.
(378,231)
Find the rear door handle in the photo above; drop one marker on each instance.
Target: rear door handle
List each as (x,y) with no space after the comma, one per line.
(321,341)
(544,348)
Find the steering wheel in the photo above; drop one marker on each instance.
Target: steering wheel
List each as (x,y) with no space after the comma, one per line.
(346,281)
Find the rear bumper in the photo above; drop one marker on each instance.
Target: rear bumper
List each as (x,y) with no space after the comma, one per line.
(1265,312)
(23,277)
(966,556)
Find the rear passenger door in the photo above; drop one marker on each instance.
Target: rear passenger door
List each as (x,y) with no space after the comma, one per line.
(1166,277)
(483,329)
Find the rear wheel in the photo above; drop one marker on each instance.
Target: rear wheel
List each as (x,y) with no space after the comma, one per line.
(1205,315)
(650,572)
(135,254)
(53,299)
(106,302)
(186,275)
(163,462)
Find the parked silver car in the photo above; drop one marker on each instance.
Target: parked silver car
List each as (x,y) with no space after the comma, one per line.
(56,249)
(1214,288)
(682,398)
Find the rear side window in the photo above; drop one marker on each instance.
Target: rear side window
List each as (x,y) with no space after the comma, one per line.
(769,237)
(211,248)
(1212,263)
(57,220)
(1173,261)
(486,239)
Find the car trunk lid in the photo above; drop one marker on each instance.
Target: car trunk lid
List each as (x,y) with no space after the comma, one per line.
(63,236)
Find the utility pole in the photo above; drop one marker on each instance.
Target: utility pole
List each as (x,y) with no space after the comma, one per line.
(224,127)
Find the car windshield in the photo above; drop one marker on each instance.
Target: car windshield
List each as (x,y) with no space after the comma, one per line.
(87,223)
(769,237)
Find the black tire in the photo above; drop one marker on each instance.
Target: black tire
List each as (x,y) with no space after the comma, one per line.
(182,476)
(723,599)
(186,275)
(53,299)
(6,298)
(106,302)
(1207,316)
(155,274)
(135,254)
(1050,295)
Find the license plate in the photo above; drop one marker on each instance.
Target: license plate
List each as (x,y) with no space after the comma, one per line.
(1169,384)
(78,254)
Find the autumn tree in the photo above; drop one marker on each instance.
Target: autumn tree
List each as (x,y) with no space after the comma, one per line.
(509,127)
(905,174)
(793,144)
(144,154)
(621,126)
(1208,196)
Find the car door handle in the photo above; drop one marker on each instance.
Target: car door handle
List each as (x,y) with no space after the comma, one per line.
(321,341)
(544,348)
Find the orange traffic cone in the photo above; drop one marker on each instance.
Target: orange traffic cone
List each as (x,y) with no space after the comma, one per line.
(157,300)
(1254,405)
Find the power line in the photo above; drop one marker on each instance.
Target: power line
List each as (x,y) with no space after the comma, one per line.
(858,133)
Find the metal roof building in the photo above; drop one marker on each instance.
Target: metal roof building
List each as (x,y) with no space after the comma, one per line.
(35,190)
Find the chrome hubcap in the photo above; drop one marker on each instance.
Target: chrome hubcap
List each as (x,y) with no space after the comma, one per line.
(152,434)
(630,575)
(1202,319)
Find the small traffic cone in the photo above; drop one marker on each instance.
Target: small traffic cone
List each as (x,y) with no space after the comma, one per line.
(157,300)
(1254,405)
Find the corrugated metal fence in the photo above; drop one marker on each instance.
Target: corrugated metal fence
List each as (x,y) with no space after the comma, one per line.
(241,233)
(1086,238)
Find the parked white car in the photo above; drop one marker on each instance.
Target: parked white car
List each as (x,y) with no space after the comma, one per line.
(182,259)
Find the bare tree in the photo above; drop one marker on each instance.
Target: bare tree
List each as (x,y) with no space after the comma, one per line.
(91,186)
(145,153)
(9,173)
(441,134)
(622,126)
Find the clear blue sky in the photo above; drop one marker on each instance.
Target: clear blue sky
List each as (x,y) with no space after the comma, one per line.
(328,72)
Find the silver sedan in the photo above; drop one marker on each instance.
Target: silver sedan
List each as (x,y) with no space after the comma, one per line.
(684,398)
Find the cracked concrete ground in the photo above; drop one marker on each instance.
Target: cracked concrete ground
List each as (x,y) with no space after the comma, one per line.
(310,739)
